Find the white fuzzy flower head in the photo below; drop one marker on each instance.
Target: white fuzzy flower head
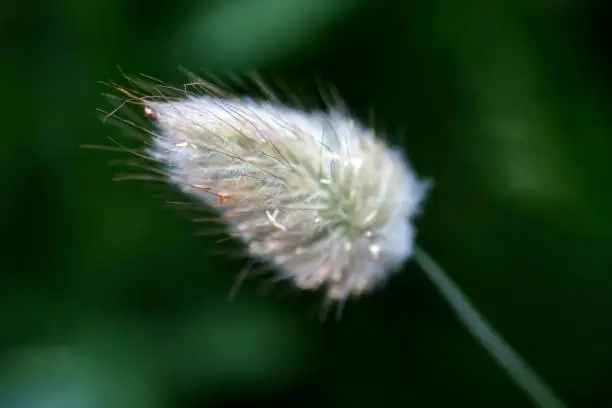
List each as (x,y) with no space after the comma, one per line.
(316,194)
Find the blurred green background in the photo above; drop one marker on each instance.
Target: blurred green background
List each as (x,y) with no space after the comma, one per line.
(107,299)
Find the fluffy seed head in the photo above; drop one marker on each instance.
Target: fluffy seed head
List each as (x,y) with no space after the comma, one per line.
(316,194)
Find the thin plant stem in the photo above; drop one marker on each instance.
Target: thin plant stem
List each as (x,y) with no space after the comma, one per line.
(517,368)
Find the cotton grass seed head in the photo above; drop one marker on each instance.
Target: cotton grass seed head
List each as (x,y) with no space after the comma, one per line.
(316,194)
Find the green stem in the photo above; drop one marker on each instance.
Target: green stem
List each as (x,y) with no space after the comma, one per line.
(524,376)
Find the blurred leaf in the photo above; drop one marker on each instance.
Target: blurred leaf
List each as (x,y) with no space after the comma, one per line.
(251,33)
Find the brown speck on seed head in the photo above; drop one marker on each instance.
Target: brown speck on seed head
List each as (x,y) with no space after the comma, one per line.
(149,113)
